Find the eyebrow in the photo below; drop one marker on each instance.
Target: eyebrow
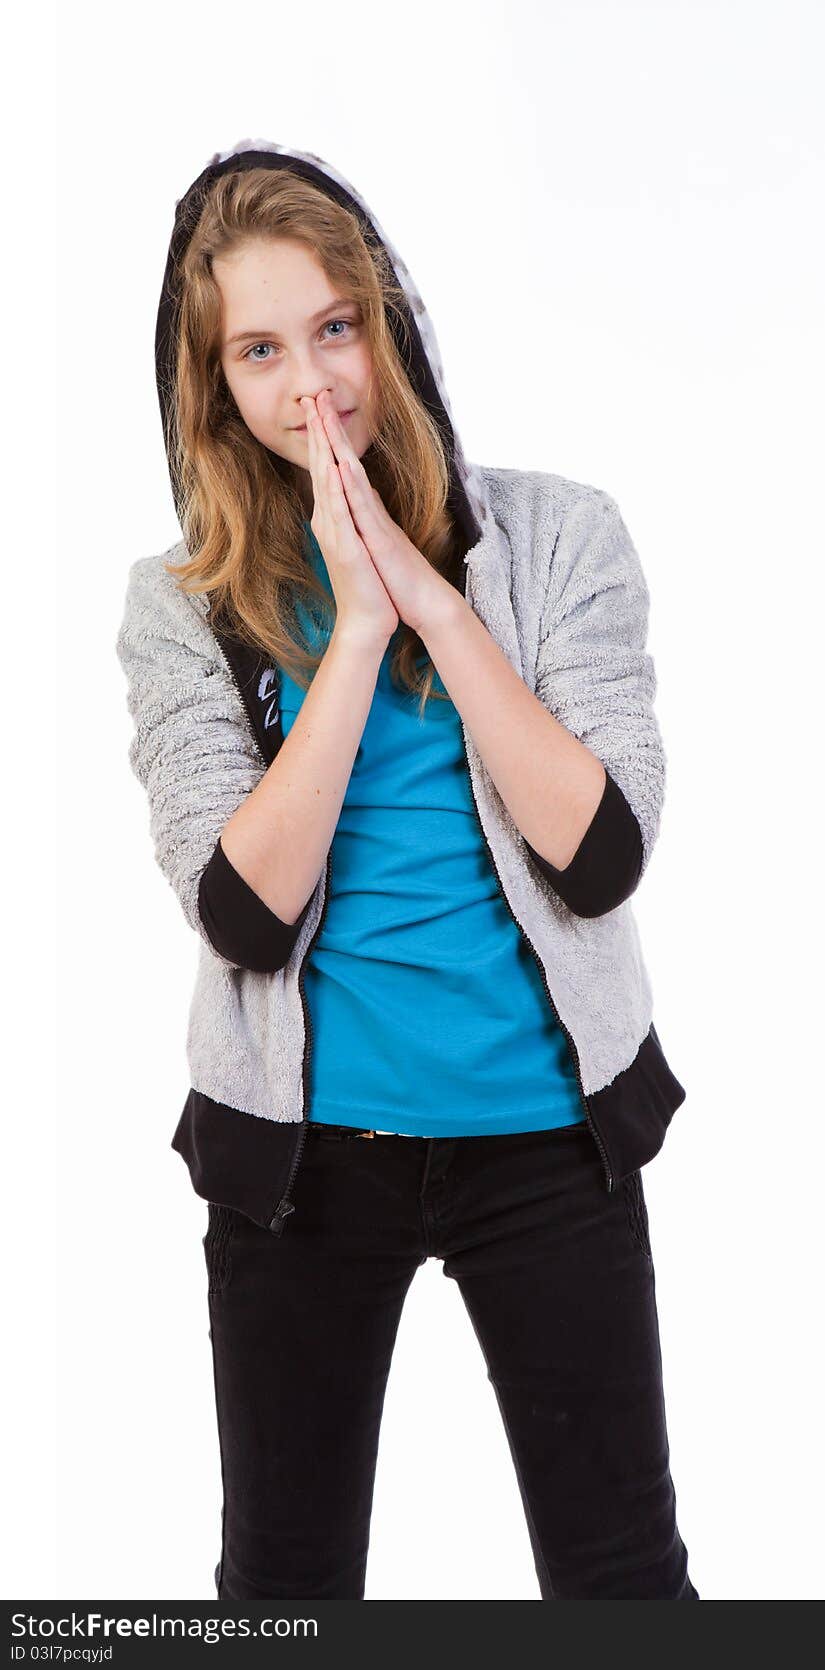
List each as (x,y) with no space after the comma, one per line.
(251,336)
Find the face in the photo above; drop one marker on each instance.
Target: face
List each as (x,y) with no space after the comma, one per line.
(298,335)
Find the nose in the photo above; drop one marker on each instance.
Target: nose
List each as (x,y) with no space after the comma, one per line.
(308,390)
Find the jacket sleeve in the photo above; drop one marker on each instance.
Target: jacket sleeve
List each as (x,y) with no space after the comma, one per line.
(595,675)
(193,751)
(240,925)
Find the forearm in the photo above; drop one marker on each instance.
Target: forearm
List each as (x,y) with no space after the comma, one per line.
(550,782)
(279,836)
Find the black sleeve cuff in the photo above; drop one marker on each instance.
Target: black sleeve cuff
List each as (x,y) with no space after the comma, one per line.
(239,924)
(607,864)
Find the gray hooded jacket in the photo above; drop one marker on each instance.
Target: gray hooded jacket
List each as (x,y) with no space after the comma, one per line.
(551,571)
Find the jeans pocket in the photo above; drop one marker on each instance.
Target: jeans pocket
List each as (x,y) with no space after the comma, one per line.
(217,1246)
(636,1208)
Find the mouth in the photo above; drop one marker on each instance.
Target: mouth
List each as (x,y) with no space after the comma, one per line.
(301,427)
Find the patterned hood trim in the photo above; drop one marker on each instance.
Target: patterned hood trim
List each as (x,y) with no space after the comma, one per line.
(468,498)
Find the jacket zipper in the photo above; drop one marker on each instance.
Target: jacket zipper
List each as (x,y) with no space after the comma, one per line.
(285,1204)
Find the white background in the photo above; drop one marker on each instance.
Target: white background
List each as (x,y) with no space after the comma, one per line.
(614,215)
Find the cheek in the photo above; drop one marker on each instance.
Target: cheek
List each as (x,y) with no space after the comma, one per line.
(258,408)
(255,406)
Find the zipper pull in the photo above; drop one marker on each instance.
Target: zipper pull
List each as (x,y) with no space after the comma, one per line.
(276,1223)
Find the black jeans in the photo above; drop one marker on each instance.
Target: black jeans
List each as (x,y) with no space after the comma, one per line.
(558,1280)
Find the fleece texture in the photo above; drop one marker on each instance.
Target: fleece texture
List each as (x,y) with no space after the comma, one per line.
(558,583)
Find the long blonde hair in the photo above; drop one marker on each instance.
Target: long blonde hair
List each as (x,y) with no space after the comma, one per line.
(240,509)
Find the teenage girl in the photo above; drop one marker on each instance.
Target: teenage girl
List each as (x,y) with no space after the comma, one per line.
(394,716)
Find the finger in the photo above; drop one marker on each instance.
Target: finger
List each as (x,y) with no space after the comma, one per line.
(325,464)
(367,507)
(324,450)
(340,446)
(312,451)
(339,441)
(337,499)
(319,463)
(328,474)
(361,495)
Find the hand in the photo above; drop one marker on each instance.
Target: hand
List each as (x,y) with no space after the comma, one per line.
(419,593)
(361,598)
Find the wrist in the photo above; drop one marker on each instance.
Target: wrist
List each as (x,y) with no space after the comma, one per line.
(358,637)
(444,613)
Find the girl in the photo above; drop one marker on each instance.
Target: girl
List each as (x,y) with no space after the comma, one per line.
(394,716)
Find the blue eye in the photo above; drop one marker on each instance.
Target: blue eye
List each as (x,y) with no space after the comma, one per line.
(250,352)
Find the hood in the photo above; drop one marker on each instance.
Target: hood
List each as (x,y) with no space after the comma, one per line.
(467,497)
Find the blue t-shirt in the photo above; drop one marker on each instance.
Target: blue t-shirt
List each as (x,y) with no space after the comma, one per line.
(429,1017)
